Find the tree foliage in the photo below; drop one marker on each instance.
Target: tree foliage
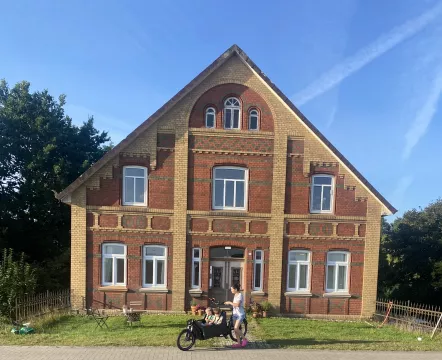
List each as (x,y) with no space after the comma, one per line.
(411,256)
(17,278)
(41,152)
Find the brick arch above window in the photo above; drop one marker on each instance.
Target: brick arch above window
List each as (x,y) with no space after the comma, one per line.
(248,98)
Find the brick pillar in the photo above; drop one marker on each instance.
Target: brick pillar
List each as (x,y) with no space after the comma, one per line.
(276,226)
(180,217)
(78,247)
(371,258)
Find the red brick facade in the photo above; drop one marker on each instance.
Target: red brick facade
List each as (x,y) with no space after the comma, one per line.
(315,238)
(205,232)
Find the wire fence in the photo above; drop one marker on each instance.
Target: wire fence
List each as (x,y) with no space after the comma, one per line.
(40,304)
(409,316)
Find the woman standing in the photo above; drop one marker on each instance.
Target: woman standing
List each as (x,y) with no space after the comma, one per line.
(238,313)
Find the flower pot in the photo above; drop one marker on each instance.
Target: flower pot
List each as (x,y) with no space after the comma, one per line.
(264,314)
(193,309)
(200,312)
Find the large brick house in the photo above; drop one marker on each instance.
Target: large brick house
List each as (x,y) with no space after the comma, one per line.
(227,182)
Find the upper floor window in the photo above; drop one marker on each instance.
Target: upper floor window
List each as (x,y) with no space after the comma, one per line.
(114,264)
(229,188)
(196,268)
(253,119)
(337,271)
(154,266)
(135,185)
(210,117)
(232,113)
(321,200)
(298,271)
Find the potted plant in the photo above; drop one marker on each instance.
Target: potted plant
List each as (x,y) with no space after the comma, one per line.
(256,309)
(200,309)
(266,306)
(193,306)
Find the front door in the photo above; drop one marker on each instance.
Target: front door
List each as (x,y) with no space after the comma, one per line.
(224,273)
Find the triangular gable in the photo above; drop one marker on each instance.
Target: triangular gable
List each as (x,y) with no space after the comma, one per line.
(63,195)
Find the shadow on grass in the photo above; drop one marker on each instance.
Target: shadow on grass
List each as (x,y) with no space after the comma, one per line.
(312,342)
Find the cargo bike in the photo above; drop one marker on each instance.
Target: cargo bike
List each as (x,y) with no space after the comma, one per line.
(196,330)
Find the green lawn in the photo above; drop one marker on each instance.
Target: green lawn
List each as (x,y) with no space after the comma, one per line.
(162,330)
(340,335)
(155,330)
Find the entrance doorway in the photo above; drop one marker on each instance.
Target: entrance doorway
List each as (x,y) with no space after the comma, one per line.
(226,269)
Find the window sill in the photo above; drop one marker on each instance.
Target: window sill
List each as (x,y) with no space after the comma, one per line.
(258,293)
(136,205)
(154,290)
(230,209)
(298,294)
(337,295)
(113,288)
(196,292)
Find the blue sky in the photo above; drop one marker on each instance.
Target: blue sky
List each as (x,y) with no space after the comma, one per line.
(368,74)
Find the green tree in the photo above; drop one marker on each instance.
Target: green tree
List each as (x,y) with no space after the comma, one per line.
(41,151)
(17,278)
(411,256)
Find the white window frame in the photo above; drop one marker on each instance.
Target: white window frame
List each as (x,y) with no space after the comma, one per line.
(194,260)
(232,108)
(212,111)
(256,262)
(298,264)
(144,203)
(246,188)
(255,114)
(155,258)
(332,194)
(338,264)
(114,258)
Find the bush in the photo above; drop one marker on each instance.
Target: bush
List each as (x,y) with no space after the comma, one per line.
(17,278)
(266,306)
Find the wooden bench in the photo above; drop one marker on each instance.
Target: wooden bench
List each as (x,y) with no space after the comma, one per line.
(135,303)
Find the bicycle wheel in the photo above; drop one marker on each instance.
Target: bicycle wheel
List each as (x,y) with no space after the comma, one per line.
(186,339)
(242,328)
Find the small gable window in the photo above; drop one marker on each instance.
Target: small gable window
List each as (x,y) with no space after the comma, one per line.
(135,185)
(232,113)
(321,197)
(210,117)
(253,119)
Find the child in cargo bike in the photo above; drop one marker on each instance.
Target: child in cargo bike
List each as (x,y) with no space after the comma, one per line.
(209,318)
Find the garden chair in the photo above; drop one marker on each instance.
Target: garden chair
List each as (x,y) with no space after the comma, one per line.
(132,315)
(100,319)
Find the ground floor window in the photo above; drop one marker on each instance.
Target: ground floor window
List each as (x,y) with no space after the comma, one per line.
(337,271)
(298,271)
(114,264)
(196,268)
(257,270)
(154,266)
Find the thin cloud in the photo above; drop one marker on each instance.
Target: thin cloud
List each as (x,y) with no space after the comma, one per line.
(424,117)
(332,117)
(401,188)
(366,55)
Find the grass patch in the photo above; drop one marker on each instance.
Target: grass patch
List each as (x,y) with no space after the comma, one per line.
(340,335)
(154,330)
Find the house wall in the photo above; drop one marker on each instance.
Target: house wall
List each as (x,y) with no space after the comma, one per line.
(180,155)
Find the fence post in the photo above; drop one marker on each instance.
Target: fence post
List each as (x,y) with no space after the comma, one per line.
(435,328)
